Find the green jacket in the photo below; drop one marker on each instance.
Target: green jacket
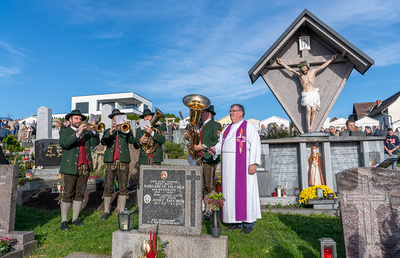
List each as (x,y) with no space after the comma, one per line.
(158,153)
(123,145)
(210,136)
(70,144)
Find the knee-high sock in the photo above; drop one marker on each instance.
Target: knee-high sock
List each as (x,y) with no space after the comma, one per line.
(122,202)
(76,208)
(107,201)
(64,211)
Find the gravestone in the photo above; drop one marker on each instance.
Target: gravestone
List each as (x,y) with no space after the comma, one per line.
(370,211)
(48,153)
(8,197)
(284,165)
(44,123)
(170,197)
(8,203)
(105,111)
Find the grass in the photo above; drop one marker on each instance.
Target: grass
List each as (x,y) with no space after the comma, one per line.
(275,235)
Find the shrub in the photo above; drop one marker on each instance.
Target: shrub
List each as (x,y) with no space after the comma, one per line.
(11,144)
(173,150)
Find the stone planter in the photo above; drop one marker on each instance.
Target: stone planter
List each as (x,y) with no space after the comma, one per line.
(97,185)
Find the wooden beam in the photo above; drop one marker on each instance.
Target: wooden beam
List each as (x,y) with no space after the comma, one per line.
(316,60)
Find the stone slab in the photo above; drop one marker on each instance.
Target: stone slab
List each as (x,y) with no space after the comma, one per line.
(48,153)
(25,241)
(171,197)
(44,123)
(14,254)
(128,244)
(306,212)
(370,211)
(322,201)
(8,197)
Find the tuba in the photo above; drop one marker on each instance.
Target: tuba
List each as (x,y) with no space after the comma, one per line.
(151,146)
(195,103)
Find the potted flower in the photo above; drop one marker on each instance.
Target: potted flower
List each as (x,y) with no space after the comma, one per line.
(215,201)
(311,193)
(6,244)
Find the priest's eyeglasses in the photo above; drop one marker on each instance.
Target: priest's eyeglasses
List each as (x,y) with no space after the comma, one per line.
(233,111)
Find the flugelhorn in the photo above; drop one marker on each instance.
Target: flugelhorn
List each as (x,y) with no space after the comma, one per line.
(125,127)
(196,103)
(152,145)
(99,128)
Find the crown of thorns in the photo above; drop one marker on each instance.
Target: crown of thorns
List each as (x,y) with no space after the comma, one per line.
(301,64)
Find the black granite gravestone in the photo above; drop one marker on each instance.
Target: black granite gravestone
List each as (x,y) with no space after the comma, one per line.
(170,196)
(47,153)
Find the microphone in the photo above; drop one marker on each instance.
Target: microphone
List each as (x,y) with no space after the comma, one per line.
(207,149)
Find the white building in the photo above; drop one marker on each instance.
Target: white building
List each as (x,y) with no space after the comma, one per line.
(277,120)
(128,102)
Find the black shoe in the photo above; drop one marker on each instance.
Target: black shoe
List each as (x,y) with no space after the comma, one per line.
(64,225)
(78,223)
(246,230)
(207,215)
(136,210)
(105,216)
(232,227)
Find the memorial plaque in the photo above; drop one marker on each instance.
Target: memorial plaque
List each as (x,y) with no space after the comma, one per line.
(8,197)
(48,153)
(345,155)
(170,196)
(370,211)
(284,166)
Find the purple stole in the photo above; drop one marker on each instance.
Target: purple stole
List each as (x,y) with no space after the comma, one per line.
(241,170)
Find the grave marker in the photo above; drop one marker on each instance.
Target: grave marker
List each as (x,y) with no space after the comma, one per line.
(170,197)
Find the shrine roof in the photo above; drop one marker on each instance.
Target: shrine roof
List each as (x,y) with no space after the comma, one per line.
(361,61)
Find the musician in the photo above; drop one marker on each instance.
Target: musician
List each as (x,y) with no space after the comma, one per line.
(147,138)
(116,160)
(209,136)
(156,157)
(76,164)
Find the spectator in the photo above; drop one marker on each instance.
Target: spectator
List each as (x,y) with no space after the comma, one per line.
(391,144)
(332,130)
(11,123)
(397,132)
(2,124)
(16,126)
(263,132)
(350,125)
(368,130)
(4,132)
(378,131)
(64,124)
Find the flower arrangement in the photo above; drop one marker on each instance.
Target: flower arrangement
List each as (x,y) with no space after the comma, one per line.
(6,244)
(217,178)
(214,200)
(154,247)
(92,179)
(311,193)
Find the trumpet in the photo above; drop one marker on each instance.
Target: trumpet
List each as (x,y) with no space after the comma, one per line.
(125,127)
(99,127)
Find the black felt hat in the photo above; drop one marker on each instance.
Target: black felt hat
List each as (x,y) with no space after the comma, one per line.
(75,112)
(114,113)
(211,110)
(147,112)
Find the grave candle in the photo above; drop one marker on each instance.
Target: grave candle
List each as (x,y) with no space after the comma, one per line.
(279,191)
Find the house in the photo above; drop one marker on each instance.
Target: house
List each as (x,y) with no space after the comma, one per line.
(387,111)
(128,102)
(225,121)
(363,122)
(361,110)
(275,120)
(255,122)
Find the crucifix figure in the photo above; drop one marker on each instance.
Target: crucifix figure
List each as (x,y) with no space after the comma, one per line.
(310,96)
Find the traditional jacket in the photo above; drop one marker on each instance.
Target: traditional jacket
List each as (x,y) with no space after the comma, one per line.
(209,136)
(123,145)
(70,144)
(158,153)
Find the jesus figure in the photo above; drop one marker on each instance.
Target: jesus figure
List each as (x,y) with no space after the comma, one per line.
(310,95)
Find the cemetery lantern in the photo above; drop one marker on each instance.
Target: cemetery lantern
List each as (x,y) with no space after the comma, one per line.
(125,220)
(327,248)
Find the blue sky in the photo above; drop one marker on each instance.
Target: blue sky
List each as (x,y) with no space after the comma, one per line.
(163,50)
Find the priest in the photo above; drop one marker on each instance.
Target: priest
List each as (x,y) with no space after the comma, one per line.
(240,148)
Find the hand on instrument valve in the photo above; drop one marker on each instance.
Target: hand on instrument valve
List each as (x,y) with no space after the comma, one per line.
(198,147)
(113,127)
(81,128)
(144,139)
(148,130)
